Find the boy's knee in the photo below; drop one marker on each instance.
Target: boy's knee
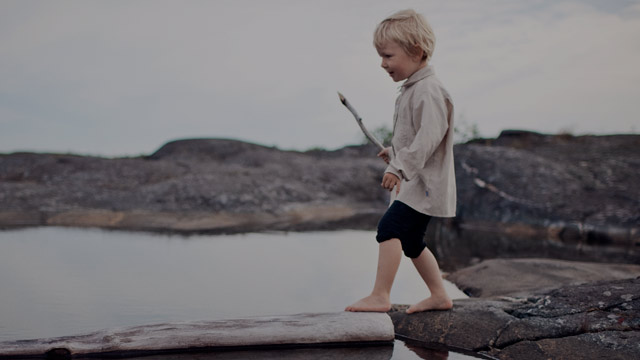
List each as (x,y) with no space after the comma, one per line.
(412,249)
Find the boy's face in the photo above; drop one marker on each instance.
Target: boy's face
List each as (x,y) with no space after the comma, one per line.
(397,62)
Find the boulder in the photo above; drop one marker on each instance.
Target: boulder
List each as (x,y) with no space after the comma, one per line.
(522,277)
(587,321)
(571,193)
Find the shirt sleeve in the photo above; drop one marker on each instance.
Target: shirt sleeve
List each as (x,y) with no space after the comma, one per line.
(432,111)
(390,168)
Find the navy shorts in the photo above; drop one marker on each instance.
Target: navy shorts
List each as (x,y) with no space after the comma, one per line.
(404,223)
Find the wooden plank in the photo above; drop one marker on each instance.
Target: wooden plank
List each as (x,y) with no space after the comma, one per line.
(310,329)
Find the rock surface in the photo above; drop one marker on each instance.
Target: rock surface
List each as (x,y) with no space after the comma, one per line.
(526,194)
(588,181)
(199,185)
(593,320)
(523,277)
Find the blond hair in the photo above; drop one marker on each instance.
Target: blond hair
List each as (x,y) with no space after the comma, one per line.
(409,30)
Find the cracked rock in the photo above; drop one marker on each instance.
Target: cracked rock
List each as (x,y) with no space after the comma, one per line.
(565,322)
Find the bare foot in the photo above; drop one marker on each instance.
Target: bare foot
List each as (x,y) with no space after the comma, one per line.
(371,303)
(431,303)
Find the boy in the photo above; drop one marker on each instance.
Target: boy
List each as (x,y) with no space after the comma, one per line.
(420,174)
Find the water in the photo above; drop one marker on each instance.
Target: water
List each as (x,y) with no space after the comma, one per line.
(61,281)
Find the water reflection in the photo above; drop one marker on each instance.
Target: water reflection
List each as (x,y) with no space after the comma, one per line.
(355,353)
(412,349)
(60,281)
(401,351)
(460,245)
(425,353)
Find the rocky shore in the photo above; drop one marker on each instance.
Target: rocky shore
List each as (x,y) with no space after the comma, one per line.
(560,310)
(526,194)
(523,194)
(197,185)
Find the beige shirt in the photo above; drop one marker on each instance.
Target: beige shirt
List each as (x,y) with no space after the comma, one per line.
(422,146)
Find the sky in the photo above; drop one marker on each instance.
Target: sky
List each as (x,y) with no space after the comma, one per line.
(121,78)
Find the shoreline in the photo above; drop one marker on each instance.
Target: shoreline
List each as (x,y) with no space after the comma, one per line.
(455,245)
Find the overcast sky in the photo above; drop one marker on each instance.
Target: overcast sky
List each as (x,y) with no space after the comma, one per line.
(119,78)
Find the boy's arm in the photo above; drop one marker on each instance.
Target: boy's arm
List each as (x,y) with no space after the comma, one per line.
(433,114)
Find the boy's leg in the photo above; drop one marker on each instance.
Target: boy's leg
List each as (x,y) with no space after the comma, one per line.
(427,267)
(389,257)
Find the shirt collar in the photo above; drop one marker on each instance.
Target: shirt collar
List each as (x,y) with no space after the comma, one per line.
(419,75)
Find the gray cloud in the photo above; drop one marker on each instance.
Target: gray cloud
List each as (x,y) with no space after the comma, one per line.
(121,78)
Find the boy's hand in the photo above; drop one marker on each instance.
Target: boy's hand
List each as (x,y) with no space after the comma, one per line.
(384,154)
(389,181)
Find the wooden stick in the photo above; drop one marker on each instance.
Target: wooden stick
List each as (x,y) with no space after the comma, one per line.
(366,132)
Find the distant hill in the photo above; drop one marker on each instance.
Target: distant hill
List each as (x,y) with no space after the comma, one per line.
(578,191)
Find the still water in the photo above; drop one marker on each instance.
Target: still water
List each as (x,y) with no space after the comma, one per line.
(61,281)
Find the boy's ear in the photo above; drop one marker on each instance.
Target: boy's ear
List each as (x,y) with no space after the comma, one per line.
(418,53)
